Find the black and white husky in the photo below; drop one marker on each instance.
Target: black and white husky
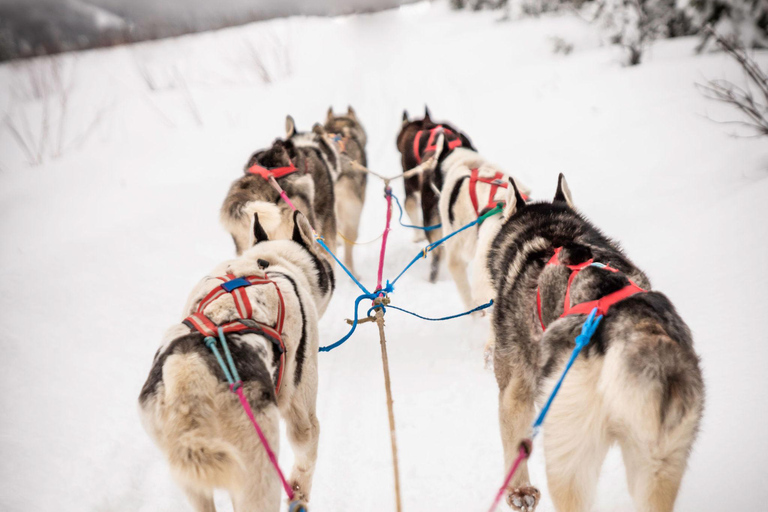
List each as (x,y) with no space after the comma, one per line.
(349,138)
(187,407)
(637,383)
(472,185)
(417,142)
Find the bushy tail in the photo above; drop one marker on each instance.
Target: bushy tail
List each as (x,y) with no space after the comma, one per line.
(195,450)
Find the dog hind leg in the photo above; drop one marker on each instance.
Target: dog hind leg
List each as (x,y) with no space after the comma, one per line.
(458,268)
(201,501)
(575,439)
(515,417)
(303,433)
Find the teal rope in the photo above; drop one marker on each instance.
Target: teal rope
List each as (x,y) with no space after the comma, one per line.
(229,355)
(210,342)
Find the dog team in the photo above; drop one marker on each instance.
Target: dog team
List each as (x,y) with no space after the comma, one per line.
(637,384)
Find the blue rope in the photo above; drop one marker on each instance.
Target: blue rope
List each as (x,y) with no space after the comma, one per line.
(370,296)
(400,219)
(582,340)
(433,245)
(358,283)
(478,308)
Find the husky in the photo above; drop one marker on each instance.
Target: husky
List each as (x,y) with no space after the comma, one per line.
(308,183)
(637,383)
(350,139)
(187,407)
(416,142)
(472,186)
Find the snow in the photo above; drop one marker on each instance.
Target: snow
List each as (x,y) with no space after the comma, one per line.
(103,244)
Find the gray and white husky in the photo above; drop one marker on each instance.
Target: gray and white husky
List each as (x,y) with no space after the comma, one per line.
(310,189)
(349,139)
(457,210)
(186,405)
(637,383)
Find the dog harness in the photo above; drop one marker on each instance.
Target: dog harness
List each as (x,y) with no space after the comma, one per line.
(275,172)
(431,142)
(498,181)
(603,304)
(236,286)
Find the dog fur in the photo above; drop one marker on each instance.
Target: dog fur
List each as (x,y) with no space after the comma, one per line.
(310,190)
(456,210)
(351,183)
(424,188)
(637,383)
(186,405)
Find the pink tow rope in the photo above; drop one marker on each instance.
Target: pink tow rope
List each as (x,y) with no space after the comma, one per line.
(264,442)
(524,454)
(388,193)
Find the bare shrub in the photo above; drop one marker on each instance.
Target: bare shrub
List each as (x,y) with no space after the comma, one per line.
(39,116)
(753,106)
(165,77)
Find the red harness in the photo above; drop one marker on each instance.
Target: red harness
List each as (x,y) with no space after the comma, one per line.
(496,183)
(602,304)
(277,172)
(431,142)
(245,324)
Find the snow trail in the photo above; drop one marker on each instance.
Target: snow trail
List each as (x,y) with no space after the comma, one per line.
(102,246)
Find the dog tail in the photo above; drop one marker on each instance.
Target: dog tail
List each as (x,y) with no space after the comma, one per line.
(196,451)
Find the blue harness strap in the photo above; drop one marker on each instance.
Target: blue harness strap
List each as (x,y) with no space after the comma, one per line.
(234,284)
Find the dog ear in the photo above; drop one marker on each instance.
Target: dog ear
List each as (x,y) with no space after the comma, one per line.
(351,112)
(302,231)
(259,234)
(405,117)
(514,200)
(563,193)
(329,117)
(290,127)
(427,118)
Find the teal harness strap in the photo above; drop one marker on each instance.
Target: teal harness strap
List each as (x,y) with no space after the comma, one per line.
(210,342)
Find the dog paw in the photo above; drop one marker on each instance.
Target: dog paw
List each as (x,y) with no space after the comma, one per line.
(298,493)
(524,499)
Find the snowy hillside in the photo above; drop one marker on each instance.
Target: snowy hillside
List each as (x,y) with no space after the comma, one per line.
(103,241)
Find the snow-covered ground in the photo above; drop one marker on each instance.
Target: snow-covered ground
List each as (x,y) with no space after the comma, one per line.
(102,245)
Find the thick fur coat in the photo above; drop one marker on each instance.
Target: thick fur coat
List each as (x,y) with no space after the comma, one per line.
(637,384)
(424,189)
(186,405)
(310,189)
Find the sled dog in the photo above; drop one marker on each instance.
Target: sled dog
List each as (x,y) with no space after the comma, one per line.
(306,176)
(416,143)
(349,138)
(187,407)
(637,383)
(472,186)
